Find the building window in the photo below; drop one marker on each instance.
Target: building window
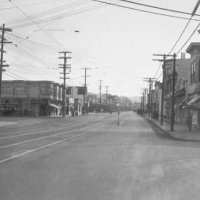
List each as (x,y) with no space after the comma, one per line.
(82,90)
(192,72)
(69,90)
(20,89)
(6,90)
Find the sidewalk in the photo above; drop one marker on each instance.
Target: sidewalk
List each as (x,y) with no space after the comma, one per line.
(180,132)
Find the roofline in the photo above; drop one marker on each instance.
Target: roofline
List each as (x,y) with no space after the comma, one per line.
(188,50)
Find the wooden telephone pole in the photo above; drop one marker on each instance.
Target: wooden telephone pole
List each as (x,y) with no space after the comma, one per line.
(65,67)
(2,65)
(149,108)
(163,88)
(100,86)
(85,101)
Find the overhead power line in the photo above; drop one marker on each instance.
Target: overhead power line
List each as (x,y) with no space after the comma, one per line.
(188,39)
(192,14)
(160,8)
(38,25)
(145,11)
(157,70)
(183,31)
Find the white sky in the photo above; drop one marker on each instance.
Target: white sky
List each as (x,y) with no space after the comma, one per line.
(116,43)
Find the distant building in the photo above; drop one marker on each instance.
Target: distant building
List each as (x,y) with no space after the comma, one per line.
(156,99)
(75,96)
(31,98)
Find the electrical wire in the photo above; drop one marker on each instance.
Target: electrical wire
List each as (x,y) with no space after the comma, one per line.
(192,14)
(32,4)
(156,7)
(55,18)
(157,70)
(183,31)
(39,26)
(188,39)
(145,11)
(51,11)
(159,76)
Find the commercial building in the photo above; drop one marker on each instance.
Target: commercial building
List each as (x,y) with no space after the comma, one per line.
(193,103)
(75,96)
(182,71)
(31,98)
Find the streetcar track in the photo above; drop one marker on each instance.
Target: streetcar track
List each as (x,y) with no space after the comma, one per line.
(46,131)
(44,137)
(18,155)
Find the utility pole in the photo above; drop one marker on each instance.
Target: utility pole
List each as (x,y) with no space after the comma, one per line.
(100,86)
(66,70)
(163,85)
(149,109)
(145,94)
(106,94)
(85,90)
(2,65)
(142,102)
(173,91)
(163,88)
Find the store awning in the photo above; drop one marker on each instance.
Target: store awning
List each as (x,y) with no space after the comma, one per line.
(194,100)
(55,106)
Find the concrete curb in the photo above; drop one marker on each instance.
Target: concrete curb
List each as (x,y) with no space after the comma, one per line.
(170,135)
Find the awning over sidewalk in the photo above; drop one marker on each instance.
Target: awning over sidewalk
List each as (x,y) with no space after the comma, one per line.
(55,106)
(194,101)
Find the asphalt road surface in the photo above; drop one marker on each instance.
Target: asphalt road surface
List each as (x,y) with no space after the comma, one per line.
(91,158)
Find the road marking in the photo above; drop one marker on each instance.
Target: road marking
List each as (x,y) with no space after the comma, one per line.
(46,146)
(7,123)
(46,131)
(39,138)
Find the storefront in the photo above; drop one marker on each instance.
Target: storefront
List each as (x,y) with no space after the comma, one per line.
(193,107)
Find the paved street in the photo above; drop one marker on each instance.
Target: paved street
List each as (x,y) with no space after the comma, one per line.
(91,158)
